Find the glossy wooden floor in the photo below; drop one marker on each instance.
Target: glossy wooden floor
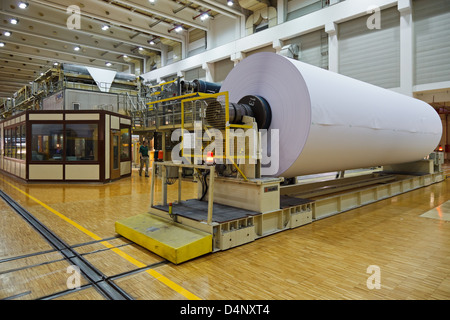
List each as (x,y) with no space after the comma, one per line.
(327,259)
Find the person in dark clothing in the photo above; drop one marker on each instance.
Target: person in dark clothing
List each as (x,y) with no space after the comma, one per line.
(143,152)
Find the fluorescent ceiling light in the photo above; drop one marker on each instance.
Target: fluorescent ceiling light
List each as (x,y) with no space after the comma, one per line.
(204,16)
(23,5)
(14,21)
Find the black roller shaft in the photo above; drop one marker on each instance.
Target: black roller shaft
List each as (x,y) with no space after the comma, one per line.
(252,106)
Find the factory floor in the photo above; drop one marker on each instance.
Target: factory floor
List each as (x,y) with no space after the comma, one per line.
(401,243)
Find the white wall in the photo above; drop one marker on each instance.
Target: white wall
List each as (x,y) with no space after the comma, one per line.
(224,41)
(223,30)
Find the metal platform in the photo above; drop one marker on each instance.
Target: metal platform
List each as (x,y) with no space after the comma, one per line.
(198,210)
(288,201)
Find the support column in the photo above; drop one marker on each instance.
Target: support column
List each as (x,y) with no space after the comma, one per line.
(184,49)
(333,50)
(277,45)
(406,47)
(237,57)
(281,11)
(163,55)
(209,69)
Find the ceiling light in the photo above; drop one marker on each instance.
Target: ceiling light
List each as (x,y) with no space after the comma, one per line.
(2,44)
(55,63)
(105,27)
(230,3)
(77,48)
(108,64)
(204,16)
(179,29)
(140,48)
(151,1)
(14,20)
(125,56)
(7,33)
(151,42)
(23,5)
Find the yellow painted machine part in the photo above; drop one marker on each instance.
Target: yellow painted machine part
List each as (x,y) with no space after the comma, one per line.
(173,241)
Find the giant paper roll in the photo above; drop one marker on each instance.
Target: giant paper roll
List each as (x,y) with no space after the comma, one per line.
(330,122)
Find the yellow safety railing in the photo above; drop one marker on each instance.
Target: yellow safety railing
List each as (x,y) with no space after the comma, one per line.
(225,94)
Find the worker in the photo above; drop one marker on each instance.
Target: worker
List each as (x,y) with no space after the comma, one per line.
(143,152)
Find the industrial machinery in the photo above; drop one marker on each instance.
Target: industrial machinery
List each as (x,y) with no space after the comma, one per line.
(269,122)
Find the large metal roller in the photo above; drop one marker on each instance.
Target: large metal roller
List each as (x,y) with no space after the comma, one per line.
(330,122)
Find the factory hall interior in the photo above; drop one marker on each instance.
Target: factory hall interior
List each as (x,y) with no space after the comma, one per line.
(263,150)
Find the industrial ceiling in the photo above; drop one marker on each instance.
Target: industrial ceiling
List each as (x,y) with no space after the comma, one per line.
(37,34)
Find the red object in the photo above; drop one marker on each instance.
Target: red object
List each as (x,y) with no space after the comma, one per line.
(210,158)
(160,155)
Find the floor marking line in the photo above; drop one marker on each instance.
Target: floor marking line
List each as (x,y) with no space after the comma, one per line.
(119,252)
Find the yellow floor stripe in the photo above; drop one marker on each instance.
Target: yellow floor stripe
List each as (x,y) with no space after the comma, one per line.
(124,255)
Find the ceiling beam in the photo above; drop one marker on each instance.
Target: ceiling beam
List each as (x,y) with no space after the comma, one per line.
(44,34)
(14,82)
(219,8)
(121,35)
(59,58)
(33,42)
(15,74)
(58,54)
(11,59)
(115,15)
(13,88)
(15,68)
(164,11)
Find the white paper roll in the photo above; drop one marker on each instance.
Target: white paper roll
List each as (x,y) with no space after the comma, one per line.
(330,122)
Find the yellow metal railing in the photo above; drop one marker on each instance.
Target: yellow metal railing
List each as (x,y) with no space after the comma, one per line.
(227,125)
